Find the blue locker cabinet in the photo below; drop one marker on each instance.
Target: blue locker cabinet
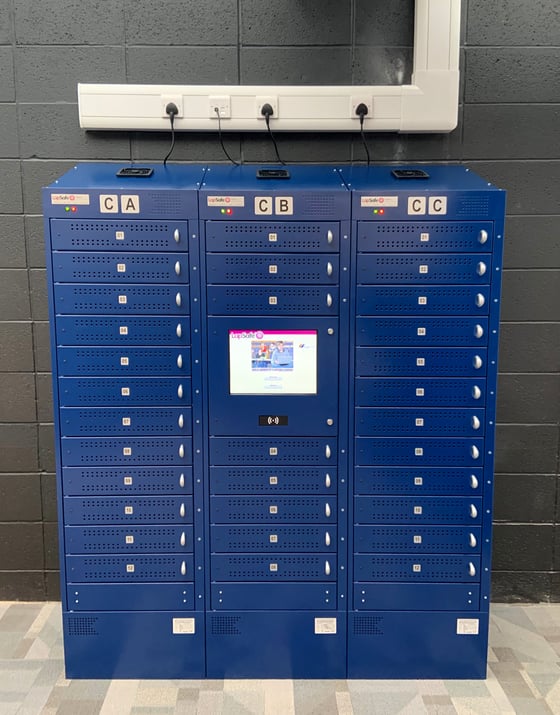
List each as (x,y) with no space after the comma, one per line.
(276,255)
(122,255)
(274,411)
(427,258)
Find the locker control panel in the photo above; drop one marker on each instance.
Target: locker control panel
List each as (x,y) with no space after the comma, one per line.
(277,330)
(275,400)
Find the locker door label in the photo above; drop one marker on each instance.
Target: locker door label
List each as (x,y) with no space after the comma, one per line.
(183,626)
(130,204)
(416,205)
(325,626)
(108,203)
(467,626)
(437,205)
(263,205)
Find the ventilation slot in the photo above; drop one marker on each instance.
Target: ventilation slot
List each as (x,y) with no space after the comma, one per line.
(82,626)
(469,207)
(368,626)
(323,206)
(164,204)
(225,625)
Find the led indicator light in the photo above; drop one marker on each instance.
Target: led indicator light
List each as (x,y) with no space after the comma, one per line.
(73,209)
(67,208)
(229,212)
(381,211)
(222,211)
(375,211)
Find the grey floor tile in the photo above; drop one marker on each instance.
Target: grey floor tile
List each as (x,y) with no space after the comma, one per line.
(523,677)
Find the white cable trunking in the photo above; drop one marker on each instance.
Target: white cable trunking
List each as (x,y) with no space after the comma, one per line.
(429,104)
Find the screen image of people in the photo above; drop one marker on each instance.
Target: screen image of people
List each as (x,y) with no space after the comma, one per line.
(265,362)
(275,354)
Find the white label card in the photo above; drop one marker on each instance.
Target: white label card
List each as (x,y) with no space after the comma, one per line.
(183,626)
(325,626)
(467,626)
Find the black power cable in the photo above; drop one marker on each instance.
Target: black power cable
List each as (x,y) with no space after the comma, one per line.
(267,112)
(361,111)
(235,163)
(171,109)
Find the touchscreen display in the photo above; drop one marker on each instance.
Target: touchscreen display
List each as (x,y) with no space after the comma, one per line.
(266,362)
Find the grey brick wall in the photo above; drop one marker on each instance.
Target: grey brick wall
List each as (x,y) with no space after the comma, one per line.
(509,131)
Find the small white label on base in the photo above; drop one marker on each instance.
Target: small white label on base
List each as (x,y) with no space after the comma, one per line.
(325,626)
(183,626)
(467,626)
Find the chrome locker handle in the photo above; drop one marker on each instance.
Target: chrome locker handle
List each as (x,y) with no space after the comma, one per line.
(473,511)
(182,481)
(472,569)
(182,511)
(327,510)
(177,268)
(329,300)
(481,268)
(183,568)
(183,539)
(181,421)
(180,391)
(327,538)
(482,236)
(478,331)
(181,451)
(179,360)
(176,235)
(179,330)
(330,237)
(476,392)
(475,454)
(328,481)
(474,482)
(472,541)
(329,269)
(178,300)
(480,300)
(327,568)
(477,362)
(327,452)
(475,422)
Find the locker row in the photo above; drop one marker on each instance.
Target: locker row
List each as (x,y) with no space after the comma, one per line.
(442,481)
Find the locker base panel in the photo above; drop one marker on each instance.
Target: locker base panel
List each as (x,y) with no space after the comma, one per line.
(416,644)
(130,596)
(416,596)
(133,645)
(280,644)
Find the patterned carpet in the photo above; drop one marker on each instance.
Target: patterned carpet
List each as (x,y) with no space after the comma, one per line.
(523,677)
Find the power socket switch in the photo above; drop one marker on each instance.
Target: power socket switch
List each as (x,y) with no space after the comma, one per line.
(261,101)
(176,99)
(355,102)
(222,104)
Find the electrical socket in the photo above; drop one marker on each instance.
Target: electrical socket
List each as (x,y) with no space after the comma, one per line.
(222,104)
(177,99)
(358,99)
(273,101)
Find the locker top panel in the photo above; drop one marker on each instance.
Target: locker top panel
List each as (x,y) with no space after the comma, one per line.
(150,191)
(254,192)
(427,193)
